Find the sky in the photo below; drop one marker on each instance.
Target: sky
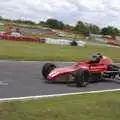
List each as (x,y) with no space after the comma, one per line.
(99,12)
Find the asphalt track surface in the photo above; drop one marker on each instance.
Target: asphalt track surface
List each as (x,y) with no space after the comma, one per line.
(20,79)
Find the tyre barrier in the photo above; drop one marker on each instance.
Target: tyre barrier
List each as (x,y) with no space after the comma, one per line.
(73,43)
(4,36)
(21,38)
(65,42)
(57,41)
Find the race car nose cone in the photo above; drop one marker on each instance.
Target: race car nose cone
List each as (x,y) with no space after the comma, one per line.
(53,74)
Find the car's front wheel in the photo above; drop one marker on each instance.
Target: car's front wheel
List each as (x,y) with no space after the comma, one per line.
(47,68)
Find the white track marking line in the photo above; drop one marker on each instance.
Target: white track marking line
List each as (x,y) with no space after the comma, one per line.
(56,95)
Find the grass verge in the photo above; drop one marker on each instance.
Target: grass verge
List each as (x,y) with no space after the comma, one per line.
(103,106)
(32,51)
(1,27)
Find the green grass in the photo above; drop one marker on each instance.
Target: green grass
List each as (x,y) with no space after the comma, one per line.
(33,51)
(103,106)
(1,27)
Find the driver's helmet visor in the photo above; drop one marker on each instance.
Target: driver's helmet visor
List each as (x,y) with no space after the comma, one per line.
(93,58)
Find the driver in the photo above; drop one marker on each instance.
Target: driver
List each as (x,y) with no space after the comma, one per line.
(95,58)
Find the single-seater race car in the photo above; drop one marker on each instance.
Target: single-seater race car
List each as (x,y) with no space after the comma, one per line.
(97,68)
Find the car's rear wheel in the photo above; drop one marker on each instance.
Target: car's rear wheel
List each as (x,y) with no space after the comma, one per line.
(82,78)
(113,68)
(47,68)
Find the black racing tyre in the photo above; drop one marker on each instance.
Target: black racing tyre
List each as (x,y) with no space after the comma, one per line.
(73,43)
(113,68)
(82,78)
(47,68)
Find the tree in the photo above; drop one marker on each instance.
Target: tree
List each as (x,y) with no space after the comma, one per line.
(68,27)
(94,29)
(42,23)
(24,22)
(53,23)
(110,31)
(82,28)
(1,18)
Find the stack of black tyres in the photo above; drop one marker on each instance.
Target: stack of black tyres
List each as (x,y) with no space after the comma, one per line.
(73,43)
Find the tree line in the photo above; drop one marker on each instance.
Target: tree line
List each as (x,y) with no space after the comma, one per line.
(80,27)
(29,22)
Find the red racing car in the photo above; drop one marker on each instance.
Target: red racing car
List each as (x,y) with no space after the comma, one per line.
(82,73)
